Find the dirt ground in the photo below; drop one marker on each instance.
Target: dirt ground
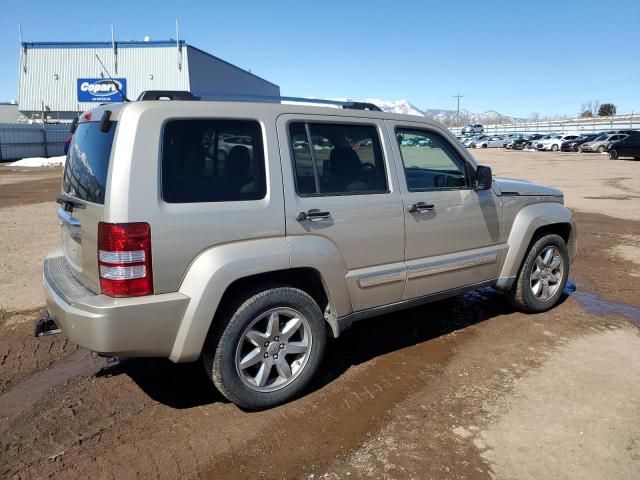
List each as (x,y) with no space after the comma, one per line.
(461,389)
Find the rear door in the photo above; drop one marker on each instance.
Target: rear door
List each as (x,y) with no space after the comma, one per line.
(453,232)
(84,184)
(341,187)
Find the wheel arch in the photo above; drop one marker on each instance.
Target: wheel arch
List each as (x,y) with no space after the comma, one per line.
(532,222)
(307,279)
(221,272)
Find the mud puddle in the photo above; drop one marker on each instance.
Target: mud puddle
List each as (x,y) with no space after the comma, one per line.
(594,304)
(344,412)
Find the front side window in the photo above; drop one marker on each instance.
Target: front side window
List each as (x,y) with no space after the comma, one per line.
(212,161)
(337,159)
(430,162)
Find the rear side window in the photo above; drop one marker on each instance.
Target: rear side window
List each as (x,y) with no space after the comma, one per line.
(87,165)
(337,159)
(212,161)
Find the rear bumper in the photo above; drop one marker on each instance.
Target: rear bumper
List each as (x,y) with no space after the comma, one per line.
(139,326)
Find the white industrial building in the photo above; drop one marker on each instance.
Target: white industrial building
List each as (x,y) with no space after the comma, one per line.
(61,79)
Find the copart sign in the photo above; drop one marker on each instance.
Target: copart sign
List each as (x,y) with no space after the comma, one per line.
(101,90)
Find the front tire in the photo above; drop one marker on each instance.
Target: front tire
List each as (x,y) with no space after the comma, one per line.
(613,154)
(554,148)
(601,149)
(542,276)
(267,348)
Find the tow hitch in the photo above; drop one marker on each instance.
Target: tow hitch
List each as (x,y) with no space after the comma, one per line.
(45,326)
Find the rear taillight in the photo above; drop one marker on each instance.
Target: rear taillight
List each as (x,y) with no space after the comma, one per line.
(124,259)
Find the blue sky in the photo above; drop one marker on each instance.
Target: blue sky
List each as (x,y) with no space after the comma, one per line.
(513,57)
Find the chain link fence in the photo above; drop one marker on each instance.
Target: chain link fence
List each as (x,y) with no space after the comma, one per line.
(19,140)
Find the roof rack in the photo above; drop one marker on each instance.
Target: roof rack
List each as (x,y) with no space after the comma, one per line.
(185,95)
(166,95)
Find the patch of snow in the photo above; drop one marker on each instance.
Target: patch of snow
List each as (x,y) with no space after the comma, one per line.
(39,162)
(403,106)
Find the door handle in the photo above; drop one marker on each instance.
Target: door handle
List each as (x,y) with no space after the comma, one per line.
(313,215)
(422,207)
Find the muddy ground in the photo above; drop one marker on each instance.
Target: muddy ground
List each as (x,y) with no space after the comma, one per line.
(464,388)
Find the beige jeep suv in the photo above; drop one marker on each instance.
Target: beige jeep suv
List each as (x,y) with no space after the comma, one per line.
(244,234)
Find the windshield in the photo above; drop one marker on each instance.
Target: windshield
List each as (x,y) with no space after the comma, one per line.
(601,137)
(87,164)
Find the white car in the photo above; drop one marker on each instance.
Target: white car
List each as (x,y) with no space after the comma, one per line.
(489,142)
(473,138)
(473,128)
(553,142)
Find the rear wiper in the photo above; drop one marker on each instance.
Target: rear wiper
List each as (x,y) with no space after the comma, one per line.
(66,200)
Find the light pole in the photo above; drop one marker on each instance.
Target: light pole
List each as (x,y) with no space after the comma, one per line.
(458,96)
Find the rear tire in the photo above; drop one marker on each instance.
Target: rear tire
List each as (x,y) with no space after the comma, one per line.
(267,347)
(542,276)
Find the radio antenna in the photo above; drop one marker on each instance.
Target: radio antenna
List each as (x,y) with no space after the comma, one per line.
(115,50)
(115,84)
(178,46)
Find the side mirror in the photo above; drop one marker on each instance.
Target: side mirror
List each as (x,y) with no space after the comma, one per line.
(484,178)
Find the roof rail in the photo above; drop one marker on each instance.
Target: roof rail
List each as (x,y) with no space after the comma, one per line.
(166,95)
(184,95)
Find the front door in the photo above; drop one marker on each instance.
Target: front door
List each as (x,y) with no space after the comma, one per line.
(453,234)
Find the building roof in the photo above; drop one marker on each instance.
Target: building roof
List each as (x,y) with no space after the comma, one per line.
(119,44)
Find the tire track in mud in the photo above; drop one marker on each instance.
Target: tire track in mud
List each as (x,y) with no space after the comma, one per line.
(22,398)
(179,425)
(336,421)
(21,354)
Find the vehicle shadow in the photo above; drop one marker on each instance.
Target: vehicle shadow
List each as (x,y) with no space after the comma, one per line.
(177,385)
(183,386)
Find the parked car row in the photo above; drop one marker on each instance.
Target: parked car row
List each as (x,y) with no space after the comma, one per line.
(619,143)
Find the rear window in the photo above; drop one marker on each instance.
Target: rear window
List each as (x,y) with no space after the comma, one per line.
(212,161)
(87,165)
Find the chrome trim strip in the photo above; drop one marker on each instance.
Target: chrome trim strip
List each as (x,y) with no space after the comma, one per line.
(450,265)
(375,279)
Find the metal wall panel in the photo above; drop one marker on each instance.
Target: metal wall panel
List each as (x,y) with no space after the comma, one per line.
(145,67)
(31,140)
(209,74)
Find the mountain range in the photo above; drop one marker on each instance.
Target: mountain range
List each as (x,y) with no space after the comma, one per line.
(448,117)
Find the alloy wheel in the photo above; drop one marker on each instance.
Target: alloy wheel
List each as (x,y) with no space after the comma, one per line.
(546,274)
(273,349)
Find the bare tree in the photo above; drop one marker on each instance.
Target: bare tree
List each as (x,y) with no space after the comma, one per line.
(590,108)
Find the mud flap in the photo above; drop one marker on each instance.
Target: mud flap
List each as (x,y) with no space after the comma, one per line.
(45,326)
